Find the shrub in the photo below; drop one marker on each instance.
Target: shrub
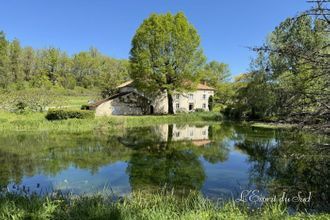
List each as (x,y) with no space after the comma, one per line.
(181,110)
(60,114)
(199,110)
(84,107)
(21,107)
(232,113)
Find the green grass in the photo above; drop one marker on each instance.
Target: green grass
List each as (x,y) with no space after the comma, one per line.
(37,122)
(139,205)
(133,121)
(271,125)
(75,102)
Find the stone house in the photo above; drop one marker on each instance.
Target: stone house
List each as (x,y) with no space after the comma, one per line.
(129,101)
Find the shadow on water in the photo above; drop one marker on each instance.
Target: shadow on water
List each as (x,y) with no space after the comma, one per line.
(219,160)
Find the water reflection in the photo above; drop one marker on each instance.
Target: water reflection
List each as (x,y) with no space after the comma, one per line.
(219,160)
(293,163)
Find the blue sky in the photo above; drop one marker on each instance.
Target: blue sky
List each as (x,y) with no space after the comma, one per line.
(226,27)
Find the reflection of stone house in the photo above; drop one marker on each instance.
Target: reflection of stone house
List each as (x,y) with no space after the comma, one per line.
(199,135)
(190,133)
(129,101)
(165,133)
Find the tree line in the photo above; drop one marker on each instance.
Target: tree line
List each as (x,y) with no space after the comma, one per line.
(28,76)
(25,67)
(22,68)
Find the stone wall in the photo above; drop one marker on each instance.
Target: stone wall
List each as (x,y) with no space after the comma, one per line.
(103,109)
(123,105)
(127,104)
(160,104)
(199,100)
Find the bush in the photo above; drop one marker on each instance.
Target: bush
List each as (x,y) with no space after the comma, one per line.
(181,110)
(21,107)
(60,114)
(84,107)
(232,113)
(199,110)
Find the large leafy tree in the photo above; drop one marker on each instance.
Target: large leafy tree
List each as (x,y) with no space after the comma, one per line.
(166,55)
(297,53)
(299,60)
(289,80)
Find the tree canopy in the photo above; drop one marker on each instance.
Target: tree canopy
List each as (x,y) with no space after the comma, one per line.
(22,68)
(166,55)
(289,80)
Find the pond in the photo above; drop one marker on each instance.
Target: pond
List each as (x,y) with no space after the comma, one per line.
(219,160)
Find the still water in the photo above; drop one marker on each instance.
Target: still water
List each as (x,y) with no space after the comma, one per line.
(219,160)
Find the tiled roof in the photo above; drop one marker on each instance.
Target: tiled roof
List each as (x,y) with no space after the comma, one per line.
(199,86)
(204,87)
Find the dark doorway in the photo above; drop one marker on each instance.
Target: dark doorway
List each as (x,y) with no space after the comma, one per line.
(151,109)
(191,106)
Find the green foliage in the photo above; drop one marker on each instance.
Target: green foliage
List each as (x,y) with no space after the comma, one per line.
(15,65)
(289,79)
(4,60)
(254,98)
(61,114)
(21,107)
(37,121)
(298,48)
(35,100)
(139,205)
(199,110)
(211,103)
(84,107)
(51,67)
(92,69)
(166,55)
(216,73)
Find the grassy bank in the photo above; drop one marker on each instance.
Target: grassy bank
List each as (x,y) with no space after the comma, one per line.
(272,125)
(138,206)
(37,122)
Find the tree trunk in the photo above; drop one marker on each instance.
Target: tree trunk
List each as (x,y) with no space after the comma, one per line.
(169,136)
(170,103)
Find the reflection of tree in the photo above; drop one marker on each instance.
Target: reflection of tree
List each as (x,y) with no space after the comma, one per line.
(142,137)
(180,170)
(159,162)
(258,152)
(28,154)
(291,162)
(215,152)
